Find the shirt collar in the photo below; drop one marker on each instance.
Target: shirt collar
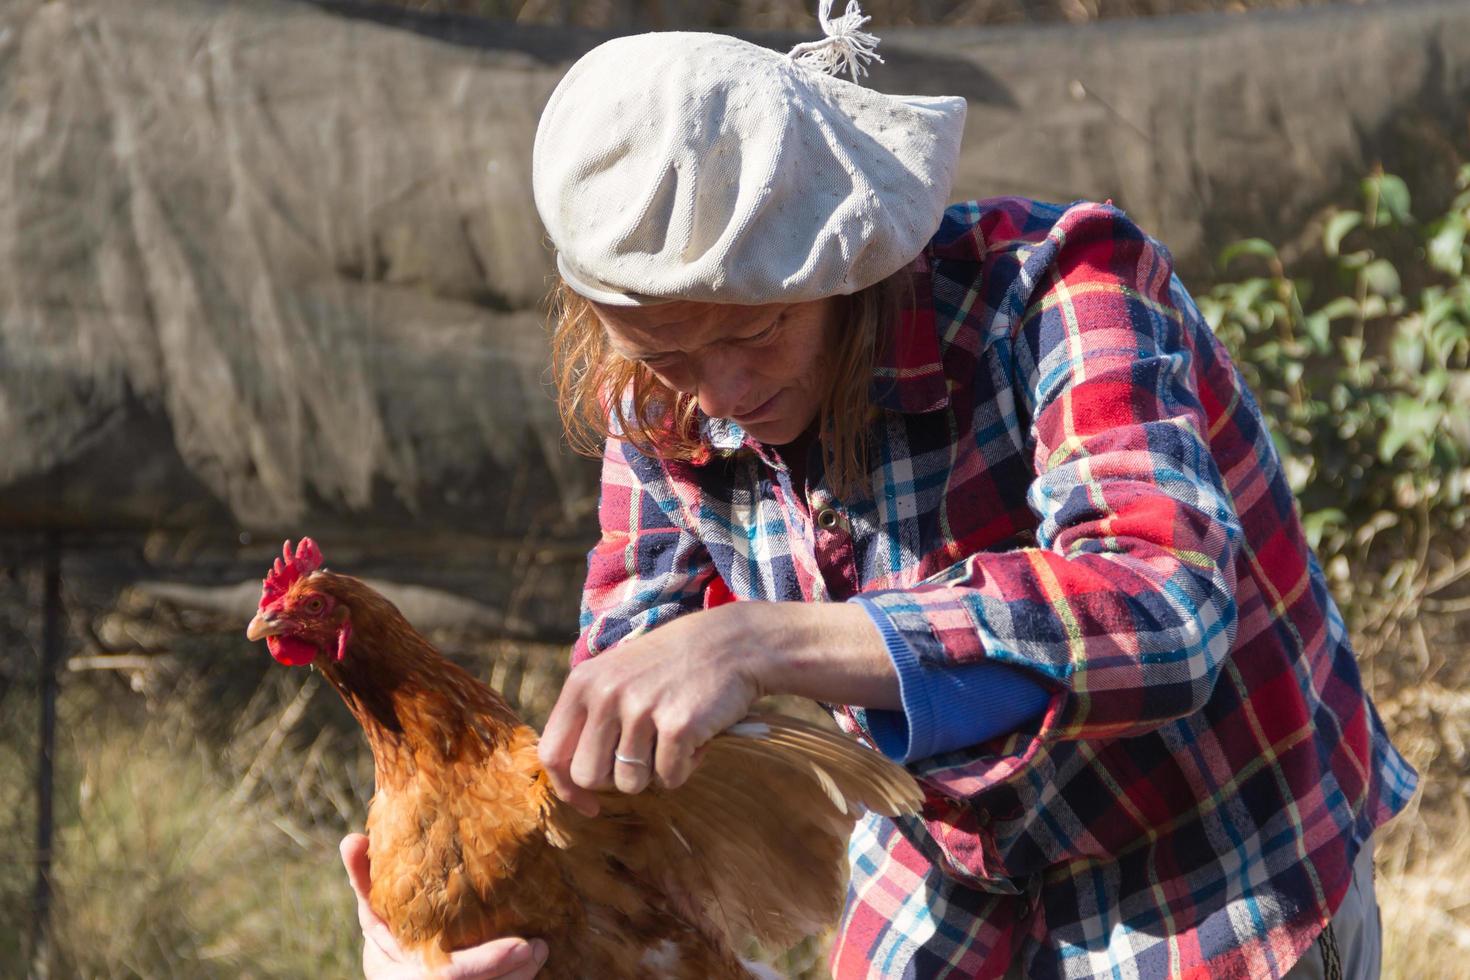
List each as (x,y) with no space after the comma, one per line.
(721,435)
(908,374)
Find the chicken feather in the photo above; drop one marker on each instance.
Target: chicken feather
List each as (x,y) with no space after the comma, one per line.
(468,842)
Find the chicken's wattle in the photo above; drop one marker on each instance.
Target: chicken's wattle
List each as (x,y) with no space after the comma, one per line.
(291,650)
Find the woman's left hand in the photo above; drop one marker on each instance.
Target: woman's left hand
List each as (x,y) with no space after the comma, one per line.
(659,697)
(656,700)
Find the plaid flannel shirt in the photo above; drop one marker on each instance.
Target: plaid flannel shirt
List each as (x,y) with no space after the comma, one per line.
(1069,476)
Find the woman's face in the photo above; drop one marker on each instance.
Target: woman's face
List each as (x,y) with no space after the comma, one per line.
(767,368)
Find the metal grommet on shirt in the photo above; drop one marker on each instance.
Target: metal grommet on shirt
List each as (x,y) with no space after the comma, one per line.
(828,519)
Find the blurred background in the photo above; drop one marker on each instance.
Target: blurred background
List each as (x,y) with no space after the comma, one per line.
(271,268)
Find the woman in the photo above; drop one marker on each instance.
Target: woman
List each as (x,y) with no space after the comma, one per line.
(982,481)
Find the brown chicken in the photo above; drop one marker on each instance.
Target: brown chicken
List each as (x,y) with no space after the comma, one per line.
(469,843)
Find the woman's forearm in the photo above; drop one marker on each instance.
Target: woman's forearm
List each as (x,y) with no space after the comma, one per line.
(664,693)
(828,651)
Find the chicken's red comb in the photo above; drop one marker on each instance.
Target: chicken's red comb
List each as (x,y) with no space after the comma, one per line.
(289,568)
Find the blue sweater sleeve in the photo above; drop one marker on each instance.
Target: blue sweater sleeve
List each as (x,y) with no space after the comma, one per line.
(946,708)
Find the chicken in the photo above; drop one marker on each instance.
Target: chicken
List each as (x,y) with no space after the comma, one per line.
(468,842)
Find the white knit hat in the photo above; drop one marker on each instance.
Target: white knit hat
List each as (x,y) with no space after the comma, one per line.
(702,167)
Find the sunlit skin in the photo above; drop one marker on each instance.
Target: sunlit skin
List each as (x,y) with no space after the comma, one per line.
(510,958)
(764,367)
(663,694)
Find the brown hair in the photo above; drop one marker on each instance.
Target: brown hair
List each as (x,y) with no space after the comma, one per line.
(590,377)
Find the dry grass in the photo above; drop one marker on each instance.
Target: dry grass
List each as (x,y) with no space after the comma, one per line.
(163,871)
(1424,895)
(1423,857)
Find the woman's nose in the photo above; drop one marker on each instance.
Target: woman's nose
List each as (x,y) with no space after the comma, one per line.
(723,388)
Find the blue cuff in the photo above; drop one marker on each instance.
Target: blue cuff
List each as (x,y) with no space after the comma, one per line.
(948,707)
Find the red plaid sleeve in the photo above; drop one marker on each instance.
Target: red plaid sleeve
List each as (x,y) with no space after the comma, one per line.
(646,567)
(1126,603)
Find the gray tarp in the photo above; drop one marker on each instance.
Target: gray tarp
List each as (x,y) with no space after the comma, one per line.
(269,263)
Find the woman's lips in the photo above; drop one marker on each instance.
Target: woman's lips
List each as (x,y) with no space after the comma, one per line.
(760,413)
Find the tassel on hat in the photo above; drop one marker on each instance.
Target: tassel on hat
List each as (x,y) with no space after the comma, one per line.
(846,46)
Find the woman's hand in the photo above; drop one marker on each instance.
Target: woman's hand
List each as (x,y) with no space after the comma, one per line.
(660,696)
(382,959)
(657,700)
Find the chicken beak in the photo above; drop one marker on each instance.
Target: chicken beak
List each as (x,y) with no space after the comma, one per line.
(262,626)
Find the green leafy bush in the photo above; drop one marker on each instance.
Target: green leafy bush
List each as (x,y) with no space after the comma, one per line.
(1368,394)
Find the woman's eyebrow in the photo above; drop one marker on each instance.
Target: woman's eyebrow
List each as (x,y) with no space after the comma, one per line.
(743,331)
(634,354)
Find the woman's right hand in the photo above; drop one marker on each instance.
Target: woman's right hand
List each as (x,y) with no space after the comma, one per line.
(382,959)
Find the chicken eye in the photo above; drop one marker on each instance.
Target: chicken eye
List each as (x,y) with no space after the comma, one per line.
(314,605)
